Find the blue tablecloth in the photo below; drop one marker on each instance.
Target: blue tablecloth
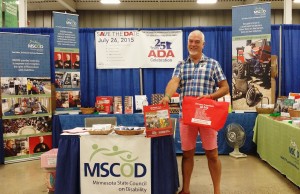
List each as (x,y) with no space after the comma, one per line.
(164,169)
(60,122)
(246,120)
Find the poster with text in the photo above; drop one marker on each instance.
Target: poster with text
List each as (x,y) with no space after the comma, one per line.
(115,164)
(251,55)
(66,62)
(25,92)
(138,49)
(11,13)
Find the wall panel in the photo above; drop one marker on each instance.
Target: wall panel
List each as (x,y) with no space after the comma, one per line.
(129,20)
(147,19)
(121,19)
(154,19)
(178,19)
(138,19)
(170,17)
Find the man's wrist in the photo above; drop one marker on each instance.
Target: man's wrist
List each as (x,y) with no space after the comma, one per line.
(211,97)
(169,97)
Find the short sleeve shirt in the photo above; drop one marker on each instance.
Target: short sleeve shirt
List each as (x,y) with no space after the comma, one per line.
(198,79)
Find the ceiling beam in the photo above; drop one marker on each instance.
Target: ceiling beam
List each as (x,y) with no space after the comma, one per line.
(251,1)
(69,4)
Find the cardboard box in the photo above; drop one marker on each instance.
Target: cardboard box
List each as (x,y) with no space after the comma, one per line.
(48,159)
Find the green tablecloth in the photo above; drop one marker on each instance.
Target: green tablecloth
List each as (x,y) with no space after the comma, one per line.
(278,143)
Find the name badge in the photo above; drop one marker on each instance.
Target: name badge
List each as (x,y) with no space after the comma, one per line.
(202,66)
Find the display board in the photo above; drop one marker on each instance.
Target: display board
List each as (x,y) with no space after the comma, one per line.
(138,49)
(25,95)
(66,61)
(251,55)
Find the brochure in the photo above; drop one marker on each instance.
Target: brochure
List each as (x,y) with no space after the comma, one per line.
(157,120)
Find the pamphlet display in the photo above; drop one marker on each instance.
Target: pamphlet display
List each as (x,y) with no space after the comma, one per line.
(157,120)
(128,103)
(118,108)
(104,104)
(140,101)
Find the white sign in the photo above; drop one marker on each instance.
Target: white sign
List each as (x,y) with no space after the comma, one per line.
(163,49)
(114,164)
(138,49)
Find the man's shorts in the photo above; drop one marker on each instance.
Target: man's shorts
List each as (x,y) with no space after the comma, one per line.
(188,136)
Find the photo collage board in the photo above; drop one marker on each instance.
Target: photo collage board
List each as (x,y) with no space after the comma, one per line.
(25,96)
(66,62)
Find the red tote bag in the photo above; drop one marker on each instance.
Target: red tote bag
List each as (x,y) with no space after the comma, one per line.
(204,112)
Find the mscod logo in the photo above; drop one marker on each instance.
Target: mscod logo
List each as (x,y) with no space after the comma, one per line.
(35,45)
(123,166)
(71,22)
(259,11)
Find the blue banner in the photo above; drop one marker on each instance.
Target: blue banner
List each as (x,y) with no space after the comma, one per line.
(65,31)
(251,56)
(66,61)
(24,55)
(251,20)
(25,95)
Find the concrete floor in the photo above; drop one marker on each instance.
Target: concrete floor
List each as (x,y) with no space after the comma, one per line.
(249,175)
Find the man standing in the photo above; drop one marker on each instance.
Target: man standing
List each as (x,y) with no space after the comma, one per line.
(198,76)
(17,84)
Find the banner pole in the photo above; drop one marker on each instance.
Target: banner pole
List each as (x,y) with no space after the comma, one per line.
(279,60)
(141,81)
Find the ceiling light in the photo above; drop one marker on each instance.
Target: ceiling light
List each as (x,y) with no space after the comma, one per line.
(110,1)
(206,1)
(296,1)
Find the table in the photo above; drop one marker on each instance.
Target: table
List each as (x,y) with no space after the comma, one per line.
(278,143)
(246,120)
(164,169)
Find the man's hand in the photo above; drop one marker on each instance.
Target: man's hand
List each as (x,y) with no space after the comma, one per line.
(165,100)
(205,96)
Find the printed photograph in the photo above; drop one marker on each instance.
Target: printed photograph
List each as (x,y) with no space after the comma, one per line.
(16,147)
(74,99)
(62,99)
(24,106)
(76,59)
(58,61)
(67,60)
(40,144)
(251,72)
(25,85)
(26,126)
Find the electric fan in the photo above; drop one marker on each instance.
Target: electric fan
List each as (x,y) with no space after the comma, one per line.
(235,137)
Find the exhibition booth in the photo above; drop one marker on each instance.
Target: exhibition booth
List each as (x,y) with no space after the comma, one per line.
(130,82)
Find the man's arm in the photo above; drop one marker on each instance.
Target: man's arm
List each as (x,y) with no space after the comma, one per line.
(222,91)
(170,90)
